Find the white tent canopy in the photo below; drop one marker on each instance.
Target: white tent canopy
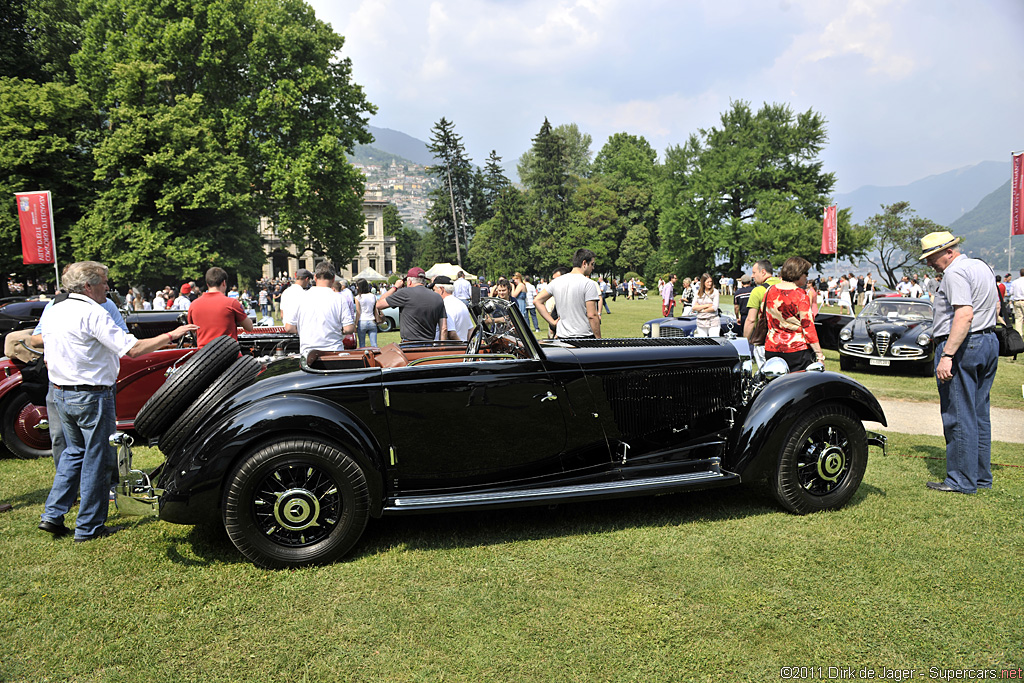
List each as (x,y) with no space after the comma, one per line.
(448,269)
(370,275)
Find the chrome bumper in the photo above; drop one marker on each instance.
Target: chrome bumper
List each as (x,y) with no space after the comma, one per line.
(134,493)
(879,440)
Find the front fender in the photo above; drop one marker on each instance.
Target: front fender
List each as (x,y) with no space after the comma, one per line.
(193,477)
(767,423)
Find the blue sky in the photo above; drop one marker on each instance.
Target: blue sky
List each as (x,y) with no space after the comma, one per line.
(909,88)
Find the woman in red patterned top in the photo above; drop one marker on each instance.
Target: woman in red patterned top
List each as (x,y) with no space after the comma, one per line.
(791,333)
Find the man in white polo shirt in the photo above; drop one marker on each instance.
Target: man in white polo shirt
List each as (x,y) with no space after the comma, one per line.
(460,322)
(82,348)
(320,316)
(291,296)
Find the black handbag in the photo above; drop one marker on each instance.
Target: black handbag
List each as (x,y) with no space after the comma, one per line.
(35,381)
(1010,343)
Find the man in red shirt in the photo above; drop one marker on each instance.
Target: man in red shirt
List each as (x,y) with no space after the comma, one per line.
(216,313)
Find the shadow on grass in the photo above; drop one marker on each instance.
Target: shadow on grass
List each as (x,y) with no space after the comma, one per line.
(209,544)
(934,459)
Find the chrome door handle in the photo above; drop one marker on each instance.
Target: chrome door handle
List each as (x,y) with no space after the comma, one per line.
(546,397)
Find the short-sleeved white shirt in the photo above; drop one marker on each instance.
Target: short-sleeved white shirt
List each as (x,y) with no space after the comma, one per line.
(320,318)
(459,320)
(82,344)
(572,291)
(290,300)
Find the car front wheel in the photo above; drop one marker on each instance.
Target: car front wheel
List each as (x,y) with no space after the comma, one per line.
(386,325)
(296,502)
(822,461)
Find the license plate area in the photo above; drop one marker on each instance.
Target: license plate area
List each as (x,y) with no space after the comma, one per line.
(879,362)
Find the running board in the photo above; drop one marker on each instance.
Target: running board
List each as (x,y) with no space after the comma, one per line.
(560,494)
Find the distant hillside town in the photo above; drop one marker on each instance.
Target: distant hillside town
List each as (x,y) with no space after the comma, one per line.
(401,182)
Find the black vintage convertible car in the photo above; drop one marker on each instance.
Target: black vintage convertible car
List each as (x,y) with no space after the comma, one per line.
(295,457)
(891,332)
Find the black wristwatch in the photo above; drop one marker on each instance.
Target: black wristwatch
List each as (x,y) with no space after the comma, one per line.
(948,355)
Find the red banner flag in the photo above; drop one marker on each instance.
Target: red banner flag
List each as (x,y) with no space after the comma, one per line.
(36,218)
(829,231)
(1017,196)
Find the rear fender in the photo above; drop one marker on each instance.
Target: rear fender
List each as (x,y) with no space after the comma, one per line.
(194,476)
(766,425)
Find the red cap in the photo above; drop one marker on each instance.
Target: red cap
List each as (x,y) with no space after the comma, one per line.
(416,271)
(186,288)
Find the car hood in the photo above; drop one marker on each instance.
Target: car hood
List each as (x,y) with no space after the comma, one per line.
(895,328)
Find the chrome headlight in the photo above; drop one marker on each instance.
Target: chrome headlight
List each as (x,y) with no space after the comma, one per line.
(924,339)
(846,334)
(646,330)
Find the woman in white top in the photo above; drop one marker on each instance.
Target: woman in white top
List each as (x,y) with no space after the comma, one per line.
(705,305)
(365,323)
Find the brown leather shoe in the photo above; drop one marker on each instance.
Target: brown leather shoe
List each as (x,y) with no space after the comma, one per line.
(4,507)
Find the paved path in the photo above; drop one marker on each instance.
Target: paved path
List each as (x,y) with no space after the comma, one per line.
(909,417)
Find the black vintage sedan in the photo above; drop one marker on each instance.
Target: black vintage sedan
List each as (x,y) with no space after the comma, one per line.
(295,457)
(892,332)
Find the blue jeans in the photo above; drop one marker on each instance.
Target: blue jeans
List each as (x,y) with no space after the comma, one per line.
(966,422)
(55,430)
(87,465)
(367,328)
(531,318)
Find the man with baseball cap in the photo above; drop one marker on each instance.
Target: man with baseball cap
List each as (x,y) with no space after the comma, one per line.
(290,297)
(460,322)
(422,310)
(966,357)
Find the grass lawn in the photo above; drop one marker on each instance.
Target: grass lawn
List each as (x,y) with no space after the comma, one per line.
(689,587)
(708,586)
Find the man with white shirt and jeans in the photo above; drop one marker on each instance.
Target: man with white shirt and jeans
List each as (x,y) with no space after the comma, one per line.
(82,348)
(577,298)
(321,316)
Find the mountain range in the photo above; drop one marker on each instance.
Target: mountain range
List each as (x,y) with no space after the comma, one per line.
(973,201)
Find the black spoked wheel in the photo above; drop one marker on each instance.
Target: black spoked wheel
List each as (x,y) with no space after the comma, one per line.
(822,462)
(24,432)
(295,503)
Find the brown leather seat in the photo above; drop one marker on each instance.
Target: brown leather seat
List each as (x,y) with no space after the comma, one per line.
(392,356)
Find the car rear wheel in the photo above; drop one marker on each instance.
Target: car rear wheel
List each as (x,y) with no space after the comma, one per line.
(296,502)
(386,325)
(822,461)
(22,435)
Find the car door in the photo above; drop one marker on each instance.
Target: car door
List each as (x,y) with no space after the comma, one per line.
(473,423)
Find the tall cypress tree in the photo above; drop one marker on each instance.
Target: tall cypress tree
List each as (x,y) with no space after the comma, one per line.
(549,195)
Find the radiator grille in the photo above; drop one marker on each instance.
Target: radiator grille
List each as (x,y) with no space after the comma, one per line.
(647,402)
(882,341)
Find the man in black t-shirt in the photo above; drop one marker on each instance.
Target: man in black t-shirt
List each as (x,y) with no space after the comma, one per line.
(740,298)
(422,310)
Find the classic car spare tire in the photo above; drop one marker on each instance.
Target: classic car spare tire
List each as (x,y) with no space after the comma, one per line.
(822,461)
(21,433)
(184,386)
(241,372)
(296,502)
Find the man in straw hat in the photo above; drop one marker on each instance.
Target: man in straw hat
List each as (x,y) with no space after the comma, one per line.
(966,357)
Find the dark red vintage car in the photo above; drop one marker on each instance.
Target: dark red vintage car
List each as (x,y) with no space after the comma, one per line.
(24,427)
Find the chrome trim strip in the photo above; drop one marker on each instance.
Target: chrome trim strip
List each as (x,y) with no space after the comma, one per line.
(649,482)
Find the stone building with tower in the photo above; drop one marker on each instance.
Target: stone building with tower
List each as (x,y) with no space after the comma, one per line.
(376,250)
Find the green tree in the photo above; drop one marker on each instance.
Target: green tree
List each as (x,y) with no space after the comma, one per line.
(636,249)
(576,155)
(549,196)
(46,132)
(263,80)
(752,188)
(898,231)
(454,171)
(502,244)
(627,166)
